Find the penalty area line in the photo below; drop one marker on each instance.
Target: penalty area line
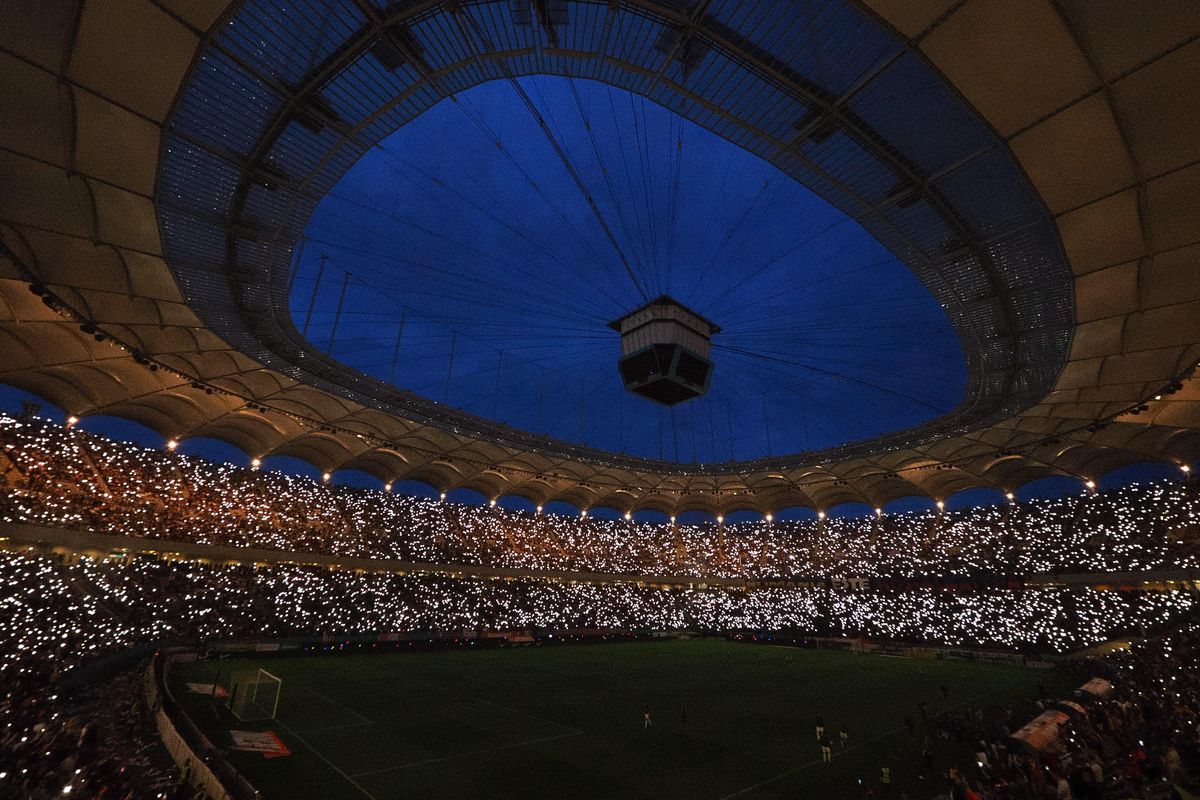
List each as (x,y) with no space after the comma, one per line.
(343,706)
(320,755)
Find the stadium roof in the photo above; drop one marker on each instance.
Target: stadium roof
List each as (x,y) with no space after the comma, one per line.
(159,160)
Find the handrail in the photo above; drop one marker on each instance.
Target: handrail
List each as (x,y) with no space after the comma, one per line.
(203,768)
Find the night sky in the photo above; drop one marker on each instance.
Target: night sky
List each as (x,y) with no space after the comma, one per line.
(467,225)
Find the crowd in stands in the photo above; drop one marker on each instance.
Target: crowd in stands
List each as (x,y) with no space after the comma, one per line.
(1141,740)
(54,476)
(59,612)
(56,614)
(99,744)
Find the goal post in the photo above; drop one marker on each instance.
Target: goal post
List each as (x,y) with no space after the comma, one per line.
(254,695)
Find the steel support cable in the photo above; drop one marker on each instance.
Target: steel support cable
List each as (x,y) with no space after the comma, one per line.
(546,338)
(806,284)
(534,290)
(511,331)
(754,379)
(515,330)
(808,236)
(410,265)
(928,378)
(928,375)
(836,375)
(841,376)
(578,346)
(536,279)
(404,296)
(676,178)
(732,231)
(827,333)
(596,386)
(719,197)
(797,308)
(579,183)
(825,277)
(642,229)
(591,134)
(842,337)
(541,122)
(756,374)
(525,363)
(439,291)
(865,335)
(829,328)
(600,287)
(468,200)
(599,261)
(516,231)
(647,189)
(820,346)
(822,338)
(479,122)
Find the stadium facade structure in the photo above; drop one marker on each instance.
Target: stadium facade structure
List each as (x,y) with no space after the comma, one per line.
(1035,162)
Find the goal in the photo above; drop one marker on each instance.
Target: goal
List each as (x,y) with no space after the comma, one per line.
(254,695)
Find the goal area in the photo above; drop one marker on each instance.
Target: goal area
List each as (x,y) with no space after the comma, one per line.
(254,695)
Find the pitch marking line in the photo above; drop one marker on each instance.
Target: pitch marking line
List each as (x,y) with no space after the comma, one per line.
(342,706)
(341,727)
(464,755)
(473,699)
(803,767)
(318,754)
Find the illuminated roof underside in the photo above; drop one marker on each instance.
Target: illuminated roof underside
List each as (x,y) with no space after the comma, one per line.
(1054,219)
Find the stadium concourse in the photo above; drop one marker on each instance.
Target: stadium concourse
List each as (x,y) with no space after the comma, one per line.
(748,321)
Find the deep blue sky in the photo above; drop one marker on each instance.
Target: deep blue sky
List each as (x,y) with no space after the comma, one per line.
(467,224)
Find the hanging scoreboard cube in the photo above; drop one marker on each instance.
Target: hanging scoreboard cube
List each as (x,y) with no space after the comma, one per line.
(665,350)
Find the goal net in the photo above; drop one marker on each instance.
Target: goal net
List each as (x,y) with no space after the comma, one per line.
(254,695)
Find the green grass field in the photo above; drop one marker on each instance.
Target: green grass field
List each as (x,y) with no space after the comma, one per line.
(566,722)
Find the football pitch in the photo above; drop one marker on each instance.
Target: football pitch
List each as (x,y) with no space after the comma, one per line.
(730,720)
